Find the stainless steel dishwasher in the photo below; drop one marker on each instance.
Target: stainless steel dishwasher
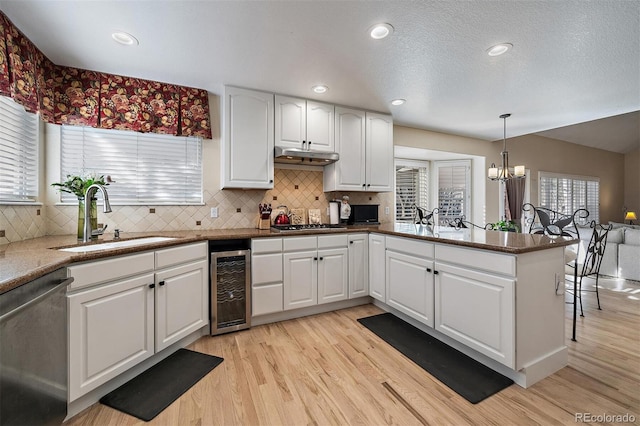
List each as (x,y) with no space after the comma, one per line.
(33,352)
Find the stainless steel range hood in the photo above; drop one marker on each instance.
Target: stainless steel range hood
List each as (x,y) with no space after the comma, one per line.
(302,156)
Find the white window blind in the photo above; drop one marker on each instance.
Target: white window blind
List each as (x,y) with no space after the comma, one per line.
(566,194)
(18,153)
(412,188)
(453,191)
(147,168)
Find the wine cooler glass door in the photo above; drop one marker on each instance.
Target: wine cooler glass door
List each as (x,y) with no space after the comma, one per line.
(231,291)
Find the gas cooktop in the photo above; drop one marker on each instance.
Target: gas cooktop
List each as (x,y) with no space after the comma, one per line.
(307,227)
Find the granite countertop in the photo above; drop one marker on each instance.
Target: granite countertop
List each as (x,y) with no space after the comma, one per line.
(24,261)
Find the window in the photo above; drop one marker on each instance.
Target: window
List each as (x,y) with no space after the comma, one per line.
(18,153)
(147,168)
(566,194)
(454,190)
(412,188)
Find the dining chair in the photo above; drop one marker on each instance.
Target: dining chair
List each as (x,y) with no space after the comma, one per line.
(588,265)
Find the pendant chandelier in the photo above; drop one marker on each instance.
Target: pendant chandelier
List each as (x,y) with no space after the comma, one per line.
(503,173)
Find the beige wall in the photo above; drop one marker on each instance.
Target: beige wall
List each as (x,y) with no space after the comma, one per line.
(538,154)
(632,181)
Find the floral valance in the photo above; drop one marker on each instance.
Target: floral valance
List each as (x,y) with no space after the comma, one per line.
(65,95)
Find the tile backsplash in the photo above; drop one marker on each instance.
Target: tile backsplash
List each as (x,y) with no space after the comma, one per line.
(236,209)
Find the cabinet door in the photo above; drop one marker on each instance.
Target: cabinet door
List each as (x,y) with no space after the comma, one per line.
(182,302)
(247,150)
(320,122)
(350,143)
(379,152)
(410,286)
(110,331)
(377,274)
(300,279)
(291,122)
(266,283)
(358,266)
(476,309)
(333,275)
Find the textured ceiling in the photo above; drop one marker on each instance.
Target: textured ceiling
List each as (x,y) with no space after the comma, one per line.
(572,61)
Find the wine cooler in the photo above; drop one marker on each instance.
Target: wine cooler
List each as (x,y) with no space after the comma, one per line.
(230,291)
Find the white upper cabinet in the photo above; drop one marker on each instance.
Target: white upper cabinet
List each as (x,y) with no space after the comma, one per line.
(304,124)
(379,152)
(364,141)
(247,148)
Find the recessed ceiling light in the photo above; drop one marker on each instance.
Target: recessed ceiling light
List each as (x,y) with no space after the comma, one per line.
(124,38)
(320,88)
(398,102)
(499,49)
(380,31)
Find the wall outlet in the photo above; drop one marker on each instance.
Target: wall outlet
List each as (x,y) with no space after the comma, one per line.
(214,212)
(386,210)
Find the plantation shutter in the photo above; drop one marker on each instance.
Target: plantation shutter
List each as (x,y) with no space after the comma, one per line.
(453,189)
(566,194)
(147,168)
(412,188)
(18,153)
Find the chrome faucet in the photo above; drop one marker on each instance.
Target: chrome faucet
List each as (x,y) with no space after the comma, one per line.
(88,195)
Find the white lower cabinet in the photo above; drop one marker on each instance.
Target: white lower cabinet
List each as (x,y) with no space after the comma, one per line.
(182,302)
(110,330)
(358,265)
(410,285)
(316,270)
(377,273)
(128,313)
(477,309)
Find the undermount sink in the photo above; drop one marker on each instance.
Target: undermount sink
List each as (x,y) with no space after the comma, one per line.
(117,244)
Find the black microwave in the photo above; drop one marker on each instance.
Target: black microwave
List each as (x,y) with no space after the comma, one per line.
(364,214)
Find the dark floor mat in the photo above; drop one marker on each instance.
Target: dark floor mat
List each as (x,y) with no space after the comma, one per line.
(466,376)
(147,394)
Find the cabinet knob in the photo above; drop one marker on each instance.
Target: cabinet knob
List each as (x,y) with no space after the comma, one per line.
(350,242)
(364,185)
(309,143)
(322,258)
(315,258)
(270,180)
(428,269)
(161,283)
(368,185)
(152,286)
(436,272)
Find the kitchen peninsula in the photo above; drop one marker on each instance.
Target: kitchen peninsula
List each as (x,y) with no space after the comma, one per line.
(496,296)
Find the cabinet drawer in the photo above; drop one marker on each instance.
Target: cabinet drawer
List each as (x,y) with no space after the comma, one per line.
(181,254)
(266,245)
(266,299)
(483,260)
(300,243)
(330,241)
(413,247)
(109,270)
(266,268)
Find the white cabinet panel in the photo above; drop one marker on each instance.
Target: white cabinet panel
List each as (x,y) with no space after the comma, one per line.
(377,269)
(181,254)
(266,279)
(410,285)
(247,148)
(303,124)
(110,331)
(379,152)
(477,309)
(267,298)
(497,263)
(300,279)
(92,273)
(181,302)
(364,141)
(358,265)
(333,271)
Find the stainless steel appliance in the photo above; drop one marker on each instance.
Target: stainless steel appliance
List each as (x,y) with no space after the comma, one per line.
(315,227)
(33,352)
(364,214)
(230,286)
(304,156)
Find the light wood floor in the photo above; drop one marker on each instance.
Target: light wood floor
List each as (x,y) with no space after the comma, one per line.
(329,370)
